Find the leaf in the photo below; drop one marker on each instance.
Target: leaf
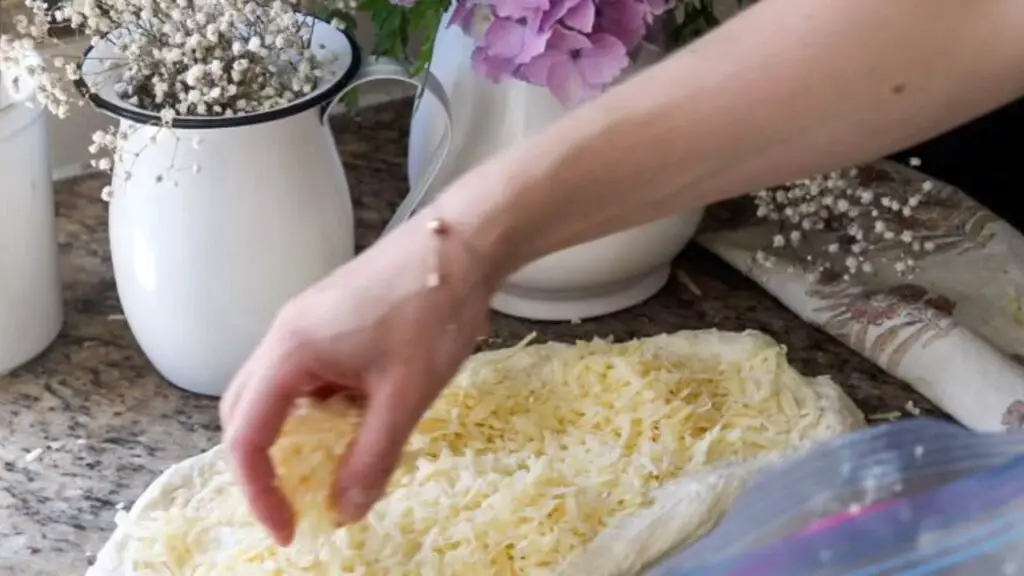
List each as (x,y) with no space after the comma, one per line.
(351,100)
(425,21)
(698,19)
(397,27)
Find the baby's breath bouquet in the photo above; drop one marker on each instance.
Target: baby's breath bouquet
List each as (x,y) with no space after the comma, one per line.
(177,57)
(172,58)
(836,222)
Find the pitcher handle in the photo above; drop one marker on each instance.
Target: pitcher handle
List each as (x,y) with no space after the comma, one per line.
(380,68)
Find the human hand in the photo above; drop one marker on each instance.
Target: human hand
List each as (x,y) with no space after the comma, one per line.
(373,330)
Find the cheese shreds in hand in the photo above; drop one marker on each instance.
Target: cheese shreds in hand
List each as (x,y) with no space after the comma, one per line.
(525,458)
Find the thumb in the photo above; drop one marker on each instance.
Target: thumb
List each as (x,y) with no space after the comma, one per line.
(392,412)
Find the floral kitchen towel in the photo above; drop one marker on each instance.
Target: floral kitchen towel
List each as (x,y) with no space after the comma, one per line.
(924,281)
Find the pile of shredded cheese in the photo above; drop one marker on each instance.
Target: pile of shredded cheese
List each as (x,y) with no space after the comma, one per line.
(524,459)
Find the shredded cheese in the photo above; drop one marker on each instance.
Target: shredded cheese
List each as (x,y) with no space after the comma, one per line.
(527,456)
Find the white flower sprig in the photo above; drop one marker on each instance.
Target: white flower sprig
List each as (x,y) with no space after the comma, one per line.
(112,141)
(180,57)
(859,225)
(206,58)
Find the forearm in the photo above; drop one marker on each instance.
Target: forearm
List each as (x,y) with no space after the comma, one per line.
(787,89)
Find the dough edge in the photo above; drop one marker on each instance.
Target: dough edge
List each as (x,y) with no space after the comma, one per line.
(683,511)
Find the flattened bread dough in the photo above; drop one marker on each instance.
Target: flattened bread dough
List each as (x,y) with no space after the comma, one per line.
(684,510)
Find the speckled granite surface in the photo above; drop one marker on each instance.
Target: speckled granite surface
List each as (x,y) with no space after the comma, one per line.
(117,424)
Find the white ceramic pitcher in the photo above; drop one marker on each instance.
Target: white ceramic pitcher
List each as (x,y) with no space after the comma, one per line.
(205,257)
(31,301)
(592,279)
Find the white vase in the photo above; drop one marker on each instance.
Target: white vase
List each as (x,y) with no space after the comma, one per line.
(31,301)
(204,259)
(588,280)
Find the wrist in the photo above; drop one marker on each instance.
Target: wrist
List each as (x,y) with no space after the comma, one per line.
(490,214)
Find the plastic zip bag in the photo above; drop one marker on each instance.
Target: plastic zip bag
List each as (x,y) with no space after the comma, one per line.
(912,498)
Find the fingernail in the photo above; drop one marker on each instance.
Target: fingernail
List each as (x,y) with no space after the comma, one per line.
(354,504)
(283,536)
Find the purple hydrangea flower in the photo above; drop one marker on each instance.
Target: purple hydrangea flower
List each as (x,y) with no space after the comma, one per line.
(528,10)
(464,15)
(576,67)
(626,20)
(555,13)
(581,16)
(494,68)
(516,40)
(575,48)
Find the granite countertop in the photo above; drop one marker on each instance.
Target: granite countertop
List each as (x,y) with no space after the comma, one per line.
(108,424)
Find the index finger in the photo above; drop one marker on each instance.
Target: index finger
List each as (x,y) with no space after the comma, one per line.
(265,402)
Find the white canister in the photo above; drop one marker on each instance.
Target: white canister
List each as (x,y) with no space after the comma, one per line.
(31,302)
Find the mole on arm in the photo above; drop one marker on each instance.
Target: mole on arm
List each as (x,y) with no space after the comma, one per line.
(898,89)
